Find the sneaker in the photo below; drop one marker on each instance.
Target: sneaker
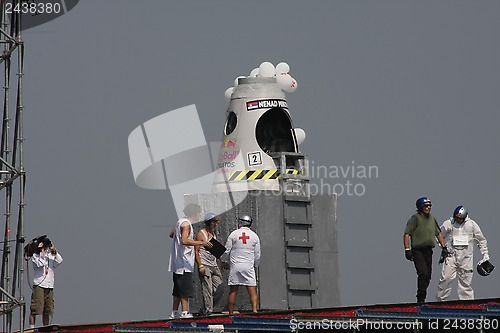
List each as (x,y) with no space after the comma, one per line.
(186,314)
(174,315)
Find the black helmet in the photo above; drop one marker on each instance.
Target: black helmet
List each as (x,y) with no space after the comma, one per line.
(485,268)
(246,220)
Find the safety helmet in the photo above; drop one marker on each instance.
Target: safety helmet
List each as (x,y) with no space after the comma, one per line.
(461,211)
(209,217)
(421,201)
(245,219)
(485,268)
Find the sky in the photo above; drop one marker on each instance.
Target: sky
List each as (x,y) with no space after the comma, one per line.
(407,88)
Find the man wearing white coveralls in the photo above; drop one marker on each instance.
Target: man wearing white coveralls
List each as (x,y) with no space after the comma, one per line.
(243,251)
(460,233)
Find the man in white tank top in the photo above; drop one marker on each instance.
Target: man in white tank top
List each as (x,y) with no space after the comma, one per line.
(181,261)
(209,272)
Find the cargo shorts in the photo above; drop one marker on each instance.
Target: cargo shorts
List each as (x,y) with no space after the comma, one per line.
(42,301)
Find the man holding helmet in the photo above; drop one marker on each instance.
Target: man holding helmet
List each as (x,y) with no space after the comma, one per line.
(460,233)
(243,251)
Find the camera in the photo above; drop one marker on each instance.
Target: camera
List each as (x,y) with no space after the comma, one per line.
(42,243)
(45,241)
(36,245)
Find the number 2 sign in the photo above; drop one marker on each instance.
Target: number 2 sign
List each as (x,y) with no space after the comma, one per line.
(254,159)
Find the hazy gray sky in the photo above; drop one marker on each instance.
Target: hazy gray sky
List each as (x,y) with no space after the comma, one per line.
(409,87)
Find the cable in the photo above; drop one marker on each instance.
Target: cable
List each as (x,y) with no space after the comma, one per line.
(29,278)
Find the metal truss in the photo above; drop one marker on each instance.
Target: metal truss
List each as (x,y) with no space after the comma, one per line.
(12,175)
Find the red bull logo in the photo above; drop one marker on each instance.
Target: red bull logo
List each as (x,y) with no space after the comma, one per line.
(228,155)
(229,143)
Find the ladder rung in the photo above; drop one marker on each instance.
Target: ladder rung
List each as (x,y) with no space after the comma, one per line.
(301,266)
(298,221)
(297,198)
(299,244)
(301,287)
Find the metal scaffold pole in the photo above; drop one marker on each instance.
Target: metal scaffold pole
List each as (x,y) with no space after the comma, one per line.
(12,176)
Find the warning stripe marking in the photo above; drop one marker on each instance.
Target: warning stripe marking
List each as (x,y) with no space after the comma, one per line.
(235,176)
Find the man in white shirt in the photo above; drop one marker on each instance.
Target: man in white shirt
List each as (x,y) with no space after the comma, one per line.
(42,298)
(181,261)
(243,251)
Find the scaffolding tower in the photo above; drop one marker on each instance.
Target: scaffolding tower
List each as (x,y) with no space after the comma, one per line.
(12,175)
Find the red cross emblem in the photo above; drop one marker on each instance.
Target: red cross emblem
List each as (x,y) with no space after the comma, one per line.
(244,237)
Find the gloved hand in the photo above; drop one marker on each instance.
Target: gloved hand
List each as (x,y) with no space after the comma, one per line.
(409,255)
(202,270)
(444,254)
(485,258)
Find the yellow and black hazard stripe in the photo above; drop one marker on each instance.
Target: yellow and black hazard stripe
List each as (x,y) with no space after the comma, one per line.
(235,176)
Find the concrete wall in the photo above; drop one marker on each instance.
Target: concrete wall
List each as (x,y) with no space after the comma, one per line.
(268,213)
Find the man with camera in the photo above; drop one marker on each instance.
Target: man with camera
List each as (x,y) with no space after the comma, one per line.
(45,260)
